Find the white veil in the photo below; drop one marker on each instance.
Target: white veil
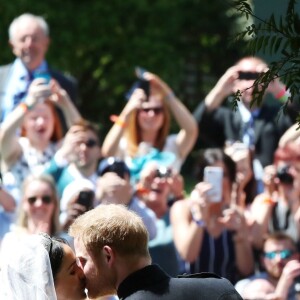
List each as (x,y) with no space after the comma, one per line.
(25,272)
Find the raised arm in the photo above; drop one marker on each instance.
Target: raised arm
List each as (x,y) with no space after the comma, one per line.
(61,99)
(188,133)
(223,88)
(189,218)
(6,200)
(110,146)
(10,148)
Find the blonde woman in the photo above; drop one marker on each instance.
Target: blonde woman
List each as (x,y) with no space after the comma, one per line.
(38,210)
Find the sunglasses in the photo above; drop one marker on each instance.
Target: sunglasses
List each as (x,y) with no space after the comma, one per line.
(284,254)
(248,75)
(156,110)
(45,199)
(90,143)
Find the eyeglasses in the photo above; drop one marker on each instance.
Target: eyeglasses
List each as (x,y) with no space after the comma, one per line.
(156,110)
(248,75)
(90,143)
(45,199)
(284,254)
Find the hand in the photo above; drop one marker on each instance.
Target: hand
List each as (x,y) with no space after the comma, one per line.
(148,174)
(38,91)
(59,96)
(176,184)
(199,201)
(291,270)
(74,210)
(113,189)
(157,84)
(72,140)
(226,83)
(233,219)
(134,103)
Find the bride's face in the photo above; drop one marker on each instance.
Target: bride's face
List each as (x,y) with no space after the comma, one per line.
(69,281)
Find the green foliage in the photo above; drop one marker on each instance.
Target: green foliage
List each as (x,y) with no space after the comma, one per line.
(273,36)
(100,42)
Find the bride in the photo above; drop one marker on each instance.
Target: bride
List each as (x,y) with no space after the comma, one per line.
(42,268)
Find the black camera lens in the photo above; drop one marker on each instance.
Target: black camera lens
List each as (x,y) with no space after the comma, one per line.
(163,172)
(284,176)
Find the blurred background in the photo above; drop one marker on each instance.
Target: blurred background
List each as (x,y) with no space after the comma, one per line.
(188,43)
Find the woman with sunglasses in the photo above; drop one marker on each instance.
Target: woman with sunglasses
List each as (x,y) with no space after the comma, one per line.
(38,210)
(31,133)
(145,120)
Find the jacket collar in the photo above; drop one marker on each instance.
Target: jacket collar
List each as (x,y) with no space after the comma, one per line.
(150,278)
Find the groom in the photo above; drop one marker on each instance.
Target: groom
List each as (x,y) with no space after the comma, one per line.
(111,245)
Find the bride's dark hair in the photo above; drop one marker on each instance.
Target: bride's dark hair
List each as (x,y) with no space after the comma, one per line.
(54,247)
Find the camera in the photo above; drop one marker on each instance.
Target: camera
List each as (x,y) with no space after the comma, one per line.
(284,176)
(163,172)
(297,284)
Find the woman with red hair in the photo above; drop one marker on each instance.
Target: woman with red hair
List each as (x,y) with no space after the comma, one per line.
(146,119)
(40,132)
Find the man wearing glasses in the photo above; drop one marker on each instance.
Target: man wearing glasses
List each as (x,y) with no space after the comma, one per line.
(281,279)
(78,157)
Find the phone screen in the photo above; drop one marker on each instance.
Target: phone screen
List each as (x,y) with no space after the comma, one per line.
(214,176)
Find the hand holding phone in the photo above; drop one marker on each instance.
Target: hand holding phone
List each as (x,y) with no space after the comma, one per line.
(140,72)
(214,176)
(86,199)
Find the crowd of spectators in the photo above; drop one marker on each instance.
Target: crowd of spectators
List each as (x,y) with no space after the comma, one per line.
(55,166)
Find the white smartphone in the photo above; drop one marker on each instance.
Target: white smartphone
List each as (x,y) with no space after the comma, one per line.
(214,176)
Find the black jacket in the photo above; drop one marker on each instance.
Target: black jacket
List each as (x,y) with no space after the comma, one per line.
(224,124)
(152,283)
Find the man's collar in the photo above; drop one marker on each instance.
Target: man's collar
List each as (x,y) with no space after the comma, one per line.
(21,70)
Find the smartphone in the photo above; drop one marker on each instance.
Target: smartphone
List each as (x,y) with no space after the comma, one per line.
(42,74)
(139,72)
(214,176)
(86,199)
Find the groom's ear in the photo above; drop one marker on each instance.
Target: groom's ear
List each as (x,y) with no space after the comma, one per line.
(109,255)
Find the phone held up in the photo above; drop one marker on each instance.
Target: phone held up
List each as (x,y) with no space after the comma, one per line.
(86,199)
(214,176)
(141,83)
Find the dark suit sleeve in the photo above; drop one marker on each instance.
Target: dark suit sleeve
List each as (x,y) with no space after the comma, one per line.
(68,83)
(211,126)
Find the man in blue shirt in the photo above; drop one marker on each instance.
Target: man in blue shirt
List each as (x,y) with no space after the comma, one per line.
(29,40)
